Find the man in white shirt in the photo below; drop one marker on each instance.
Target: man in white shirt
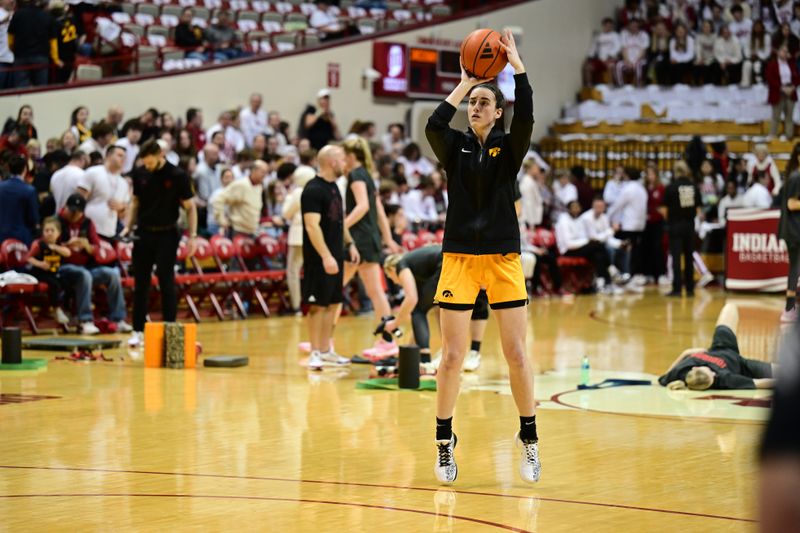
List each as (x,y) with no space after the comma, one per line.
(758,196)
(611,192)
(603,55)
(728,55)
(419,204)
(253,119)
(632,206)
(107,193)
(729,201)
(207,179)
(230,127)
(238,207)
(102,134)
(274,128)
(634,42)
(740,27)
(564,190)
(6,55)
(572,241)
(325,18)
(131,145)
(65,180)
(598,228)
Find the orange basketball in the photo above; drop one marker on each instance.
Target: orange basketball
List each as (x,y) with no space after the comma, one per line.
(481,54)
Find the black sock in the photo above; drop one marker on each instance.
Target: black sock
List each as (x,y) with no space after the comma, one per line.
(790,302)
(424,357)
(476,345)
(444,428)
(527,429)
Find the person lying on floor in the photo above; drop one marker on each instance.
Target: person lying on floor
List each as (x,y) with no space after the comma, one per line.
(721,366)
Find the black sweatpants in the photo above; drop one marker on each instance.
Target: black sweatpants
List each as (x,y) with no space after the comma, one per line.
(681,244)
(597,255)
(652,252)
(551,260)
(635,238)
(794,266)
(157,248)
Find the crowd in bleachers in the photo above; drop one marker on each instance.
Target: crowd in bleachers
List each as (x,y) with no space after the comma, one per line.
(693,41)
(57,42)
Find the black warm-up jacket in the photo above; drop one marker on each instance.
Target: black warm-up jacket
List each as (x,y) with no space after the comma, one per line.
(481,218)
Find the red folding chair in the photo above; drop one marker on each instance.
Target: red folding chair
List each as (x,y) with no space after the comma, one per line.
(247,254)
(426,237)
(224,253)
(273,279)
(18,297)
(410,241)
(197,283)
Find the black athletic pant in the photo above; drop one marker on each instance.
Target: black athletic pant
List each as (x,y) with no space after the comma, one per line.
(597,255)
(157,248)
(652,251)
(551,260)
(681,244)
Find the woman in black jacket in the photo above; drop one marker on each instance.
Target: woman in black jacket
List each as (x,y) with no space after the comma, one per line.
(481,247)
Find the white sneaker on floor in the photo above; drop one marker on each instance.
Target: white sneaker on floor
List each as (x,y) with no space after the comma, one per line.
(638,280)
(664,281)
(124,327)
(446,469)
(334,359)
(61,317)
(88,328)
(473,361)
(705,279)
(529,466)
(136,339)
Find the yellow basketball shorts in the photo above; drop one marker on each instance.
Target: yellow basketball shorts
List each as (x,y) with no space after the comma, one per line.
(464,275)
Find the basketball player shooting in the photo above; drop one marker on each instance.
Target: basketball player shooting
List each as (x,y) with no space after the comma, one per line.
(481,246)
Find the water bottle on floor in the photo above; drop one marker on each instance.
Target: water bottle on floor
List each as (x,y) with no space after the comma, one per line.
(586,370)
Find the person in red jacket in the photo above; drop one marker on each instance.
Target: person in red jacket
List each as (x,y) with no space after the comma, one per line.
(782,80)
(654,230)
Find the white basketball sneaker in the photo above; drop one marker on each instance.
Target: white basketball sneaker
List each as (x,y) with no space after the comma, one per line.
(529,466)
(317,360)
(473,361)
(446,469)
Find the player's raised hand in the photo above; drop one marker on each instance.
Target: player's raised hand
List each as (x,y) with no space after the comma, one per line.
(510,46)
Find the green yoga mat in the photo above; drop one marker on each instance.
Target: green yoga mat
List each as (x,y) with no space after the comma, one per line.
(391,384)
(26,364)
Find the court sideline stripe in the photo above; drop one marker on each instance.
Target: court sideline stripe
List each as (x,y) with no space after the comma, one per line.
(376,485)
(266,498)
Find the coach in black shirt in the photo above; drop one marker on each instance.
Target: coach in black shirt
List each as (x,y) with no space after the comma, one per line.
(160,189)
(681,205)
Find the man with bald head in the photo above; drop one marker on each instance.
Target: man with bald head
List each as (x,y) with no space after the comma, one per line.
(253,119)
(238,207)
(326,243)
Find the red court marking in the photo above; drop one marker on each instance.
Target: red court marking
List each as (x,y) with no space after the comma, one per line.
(376,485)
(267,498)
(556,398)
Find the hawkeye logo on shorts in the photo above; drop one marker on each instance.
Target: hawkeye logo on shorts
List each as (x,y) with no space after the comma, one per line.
(447,294)
(494,152)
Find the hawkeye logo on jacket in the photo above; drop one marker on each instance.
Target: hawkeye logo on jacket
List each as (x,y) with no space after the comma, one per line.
(494,152)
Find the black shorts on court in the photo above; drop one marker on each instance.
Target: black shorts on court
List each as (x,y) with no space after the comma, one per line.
(321,288)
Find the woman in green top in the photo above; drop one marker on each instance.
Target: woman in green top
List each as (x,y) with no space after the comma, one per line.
(367,223)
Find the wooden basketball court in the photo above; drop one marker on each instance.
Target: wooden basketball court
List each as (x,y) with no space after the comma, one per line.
(272,447)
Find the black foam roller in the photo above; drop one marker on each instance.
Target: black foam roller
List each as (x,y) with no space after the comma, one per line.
(408,367)
(12,346)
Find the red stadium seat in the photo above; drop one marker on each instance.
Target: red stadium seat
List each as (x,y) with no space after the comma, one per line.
(410,241)
(197,284)
(18,298)
(577,273)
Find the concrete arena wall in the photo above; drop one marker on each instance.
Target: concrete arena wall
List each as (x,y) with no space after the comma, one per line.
(557,34)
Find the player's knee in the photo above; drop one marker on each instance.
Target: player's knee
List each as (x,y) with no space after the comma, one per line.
(515,356)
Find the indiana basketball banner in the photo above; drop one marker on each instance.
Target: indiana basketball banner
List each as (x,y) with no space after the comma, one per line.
(755,258)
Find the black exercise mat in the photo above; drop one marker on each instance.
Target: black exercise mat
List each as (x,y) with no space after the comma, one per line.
(66,344)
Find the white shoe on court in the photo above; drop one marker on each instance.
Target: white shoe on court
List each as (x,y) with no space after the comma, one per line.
(446,470)
(88,328)
(436,361)
(124,327)
(317,360)
(473,361)
(136,339)
(529,466)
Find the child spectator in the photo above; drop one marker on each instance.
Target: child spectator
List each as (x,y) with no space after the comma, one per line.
(704,54)
(757,51)
(728,54)
(635,42)
(44,258)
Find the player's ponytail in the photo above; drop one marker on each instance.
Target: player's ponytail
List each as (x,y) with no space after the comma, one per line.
(360,148)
